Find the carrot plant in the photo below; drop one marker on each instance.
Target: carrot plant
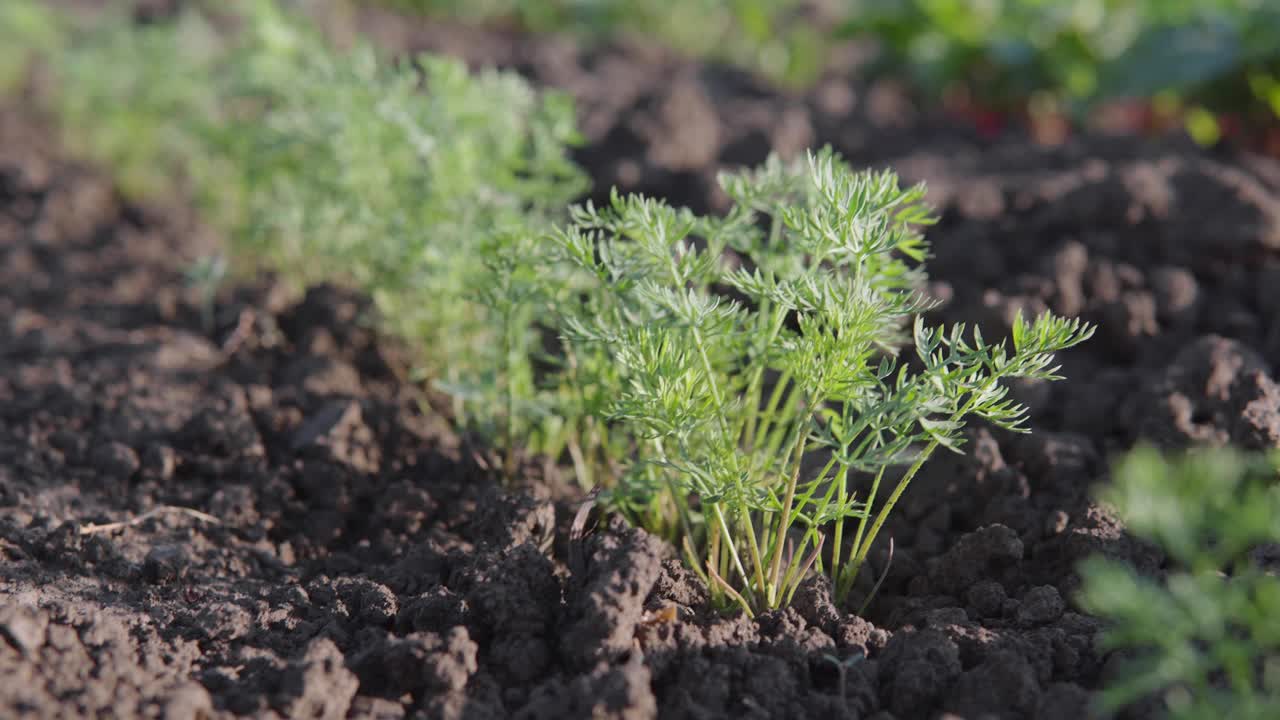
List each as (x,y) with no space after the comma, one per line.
(411,179)
(27,28)
(1203,638)
(401,178)
(743,343)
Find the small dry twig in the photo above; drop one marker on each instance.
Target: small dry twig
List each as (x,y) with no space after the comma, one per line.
(578,533)
(92,528)
(244,324)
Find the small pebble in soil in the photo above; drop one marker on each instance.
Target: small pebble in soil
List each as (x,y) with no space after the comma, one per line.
(1176,293)
(159,461)
(1056,522)
(23,627)
(115,460)
(1041,605)
(986,597)
(165,563)
(1063,701)
(188,700)
(72,444)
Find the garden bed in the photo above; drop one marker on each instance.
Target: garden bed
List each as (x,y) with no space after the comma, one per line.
(356,562)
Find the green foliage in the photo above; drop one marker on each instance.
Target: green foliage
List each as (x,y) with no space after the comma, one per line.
(1210,56)
(206,276)
(411,194)
(1204,636)
(146,100)
(688,366)
(1222,52)
(724,398)
(396,177)
(774,37)
(27,27)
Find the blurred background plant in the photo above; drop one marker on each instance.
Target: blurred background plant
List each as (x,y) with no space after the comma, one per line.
(396,177)
(206,276)
(1209,66)
(1203,636)
(26,29)
(785,40)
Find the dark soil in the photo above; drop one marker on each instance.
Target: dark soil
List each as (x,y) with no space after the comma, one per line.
(361,566)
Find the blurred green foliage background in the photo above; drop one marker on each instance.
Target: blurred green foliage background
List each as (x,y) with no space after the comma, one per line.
(1212,65)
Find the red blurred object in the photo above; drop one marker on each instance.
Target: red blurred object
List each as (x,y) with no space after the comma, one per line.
(989,123)
(1230,126)
(1271,142)
(1137,116)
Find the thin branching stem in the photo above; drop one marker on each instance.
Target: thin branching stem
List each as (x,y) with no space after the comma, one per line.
(855,550)
(747,428)
(784,523)
(883,515)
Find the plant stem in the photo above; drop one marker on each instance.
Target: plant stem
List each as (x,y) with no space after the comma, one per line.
(861,547)
(508,359)
(757,563)
(804,570)
(862,527)
(746,431)
(702,353)
(733,550)
(842,495)
(883,515)
(579,462)
(776,396)
(581,465)
(682,509)
(777,425)
(713,552)
(785,522)
(728,589)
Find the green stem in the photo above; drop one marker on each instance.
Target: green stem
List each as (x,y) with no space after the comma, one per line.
(583,429)
(713,552)
(774,399)
(785,522)
(691,559)
(734,594)
(682,509)
(702,353)
(747,429)
(812,533)
(842,495)
(883,515)
(777,436)
(793,579)
(508,360)
(757,563)
(862,527)
(579,463)
(861,547)
(733,550)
